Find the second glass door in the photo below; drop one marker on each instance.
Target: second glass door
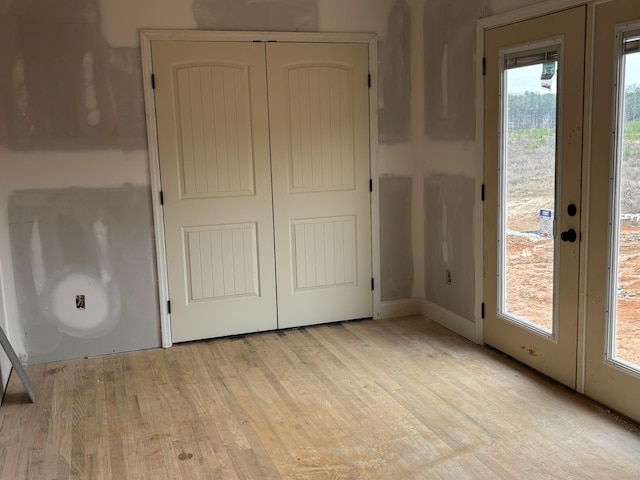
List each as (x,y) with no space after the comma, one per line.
(613,273)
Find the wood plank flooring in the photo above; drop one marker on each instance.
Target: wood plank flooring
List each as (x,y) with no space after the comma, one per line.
(391,399)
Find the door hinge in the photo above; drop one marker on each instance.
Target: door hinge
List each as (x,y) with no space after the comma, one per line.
(482,310)
(482,192)
(161,197)
(169,307)
(484,66)
(153,81)
(372,284)
(371,184)
(369,80)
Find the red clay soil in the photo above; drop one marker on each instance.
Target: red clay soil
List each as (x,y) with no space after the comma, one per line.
(530,287)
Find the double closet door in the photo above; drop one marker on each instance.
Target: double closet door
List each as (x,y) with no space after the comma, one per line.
(264,160)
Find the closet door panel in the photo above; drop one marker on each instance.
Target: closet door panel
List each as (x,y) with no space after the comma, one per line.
(319,124)
(211,104)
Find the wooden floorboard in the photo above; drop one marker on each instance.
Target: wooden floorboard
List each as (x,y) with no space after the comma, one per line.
(389,399)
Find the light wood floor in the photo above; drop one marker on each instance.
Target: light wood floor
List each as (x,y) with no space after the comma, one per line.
(393,399)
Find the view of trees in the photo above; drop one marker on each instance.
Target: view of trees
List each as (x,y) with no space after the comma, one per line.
(632,106)
(530,110)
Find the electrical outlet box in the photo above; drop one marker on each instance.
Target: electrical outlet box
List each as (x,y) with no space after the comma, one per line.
(80,302)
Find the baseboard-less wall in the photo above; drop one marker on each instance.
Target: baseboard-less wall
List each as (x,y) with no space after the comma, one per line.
(5,364)
(446,318)
(398,308)
(450,320)
(5,370)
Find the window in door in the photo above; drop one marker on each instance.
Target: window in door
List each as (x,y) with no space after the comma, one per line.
(528,186)
(624,294)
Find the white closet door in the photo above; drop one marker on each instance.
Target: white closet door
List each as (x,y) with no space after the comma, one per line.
(211,103)
(319,124)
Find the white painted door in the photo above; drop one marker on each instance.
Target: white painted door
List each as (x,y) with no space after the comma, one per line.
(319,121)
(211,104)
(532,176)
(612,364)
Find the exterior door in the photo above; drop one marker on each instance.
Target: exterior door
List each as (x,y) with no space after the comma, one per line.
(613,269)
(213,141)
(532,175)
(319,119)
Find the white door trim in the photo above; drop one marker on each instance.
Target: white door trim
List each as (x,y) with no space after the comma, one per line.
(147,36)
(529,12)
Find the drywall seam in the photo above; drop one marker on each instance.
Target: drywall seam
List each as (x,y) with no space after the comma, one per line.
(396,215)
(123,30)
(448,211)
(354,16)
(283,15)
(67,89)
(395,76)
(449,64)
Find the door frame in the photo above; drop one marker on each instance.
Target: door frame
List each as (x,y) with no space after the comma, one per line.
(526,13)
(148,36)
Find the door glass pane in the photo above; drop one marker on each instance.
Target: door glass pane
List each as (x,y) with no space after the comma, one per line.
(626,311)
(528,179)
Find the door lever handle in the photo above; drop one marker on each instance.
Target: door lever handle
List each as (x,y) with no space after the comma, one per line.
(569,236)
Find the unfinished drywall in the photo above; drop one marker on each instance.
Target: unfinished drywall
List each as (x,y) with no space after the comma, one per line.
(66,88)
(395,76)
(449,32)
(5,364)
(121,20)
(283,15)
(71,117)
(83,271)
(396,259)
(449,242)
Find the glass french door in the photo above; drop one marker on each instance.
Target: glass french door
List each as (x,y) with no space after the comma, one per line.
(612,363)
(532,174)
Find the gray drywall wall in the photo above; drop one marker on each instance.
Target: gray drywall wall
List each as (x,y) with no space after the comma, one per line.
(283,15)
(72,116)
(395,76)
(5,364)
(396,259)
(92,242)
(449,33)
(63,87)
(449,242)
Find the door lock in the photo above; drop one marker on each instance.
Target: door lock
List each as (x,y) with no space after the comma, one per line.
(569,236)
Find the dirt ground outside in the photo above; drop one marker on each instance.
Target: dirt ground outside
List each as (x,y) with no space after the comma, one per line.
(529,255)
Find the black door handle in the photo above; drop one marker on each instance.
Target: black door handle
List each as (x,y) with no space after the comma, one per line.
(569,236)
